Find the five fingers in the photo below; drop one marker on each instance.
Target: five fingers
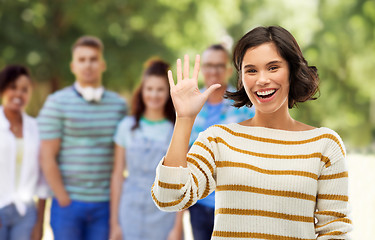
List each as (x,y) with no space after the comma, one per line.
(185,73)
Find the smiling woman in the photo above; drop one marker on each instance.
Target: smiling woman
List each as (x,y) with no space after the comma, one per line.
(266,78)
(279,47)
(15,87)
(141,140)
(20,178)
(274,177)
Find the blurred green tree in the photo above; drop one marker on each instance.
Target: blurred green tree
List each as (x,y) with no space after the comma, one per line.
(343,49)
(336,36)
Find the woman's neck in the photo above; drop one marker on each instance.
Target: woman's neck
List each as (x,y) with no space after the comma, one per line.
(277,120)
(154,115)
(273,122)
(13,117)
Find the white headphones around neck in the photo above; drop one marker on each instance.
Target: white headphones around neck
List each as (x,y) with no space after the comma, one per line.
(90,94)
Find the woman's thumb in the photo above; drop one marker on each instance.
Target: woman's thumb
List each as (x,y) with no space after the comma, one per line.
(211,89)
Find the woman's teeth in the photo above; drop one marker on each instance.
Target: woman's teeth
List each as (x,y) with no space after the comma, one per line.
(265,94)
(16,101)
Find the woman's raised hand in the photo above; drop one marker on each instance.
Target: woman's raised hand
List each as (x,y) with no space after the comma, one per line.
(186,97)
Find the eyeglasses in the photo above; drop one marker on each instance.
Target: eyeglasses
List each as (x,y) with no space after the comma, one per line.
(220,68)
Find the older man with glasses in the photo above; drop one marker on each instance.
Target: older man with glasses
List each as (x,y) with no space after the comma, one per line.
(216,68)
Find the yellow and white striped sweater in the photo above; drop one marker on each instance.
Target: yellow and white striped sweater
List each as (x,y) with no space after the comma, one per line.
(269,183)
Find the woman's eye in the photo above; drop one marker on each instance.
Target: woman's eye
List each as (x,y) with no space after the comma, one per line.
(251,71)
(273,68)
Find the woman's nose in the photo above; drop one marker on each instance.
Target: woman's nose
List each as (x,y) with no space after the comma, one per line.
(263,79)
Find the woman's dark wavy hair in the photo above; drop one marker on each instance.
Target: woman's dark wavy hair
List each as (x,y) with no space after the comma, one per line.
(153,67)
(303,78)
(10,74)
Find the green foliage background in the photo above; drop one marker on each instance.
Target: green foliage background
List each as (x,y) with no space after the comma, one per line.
(336,36)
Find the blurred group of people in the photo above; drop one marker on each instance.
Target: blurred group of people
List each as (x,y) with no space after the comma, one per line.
(95,156)
(110,168)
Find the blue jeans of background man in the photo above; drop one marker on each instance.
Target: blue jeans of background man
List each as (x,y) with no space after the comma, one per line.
(202,221)
(80,220)
(13,226)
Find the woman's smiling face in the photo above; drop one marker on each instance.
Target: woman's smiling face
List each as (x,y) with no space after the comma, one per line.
(155,92)
(17,95)
(265,77)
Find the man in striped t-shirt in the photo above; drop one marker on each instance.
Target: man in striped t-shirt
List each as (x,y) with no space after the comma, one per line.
(77,125)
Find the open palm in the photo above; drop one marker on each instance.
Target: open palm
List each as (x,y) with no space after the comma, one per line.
(186,97)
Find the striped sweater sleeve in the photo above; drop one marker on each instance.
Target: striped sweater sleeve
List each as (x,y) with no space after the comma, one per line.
(177,188)
(332,208)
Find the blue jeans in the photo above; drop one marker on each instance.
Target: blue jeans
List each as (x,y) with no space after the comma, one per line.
(80,220)
(13,226)
(202,221)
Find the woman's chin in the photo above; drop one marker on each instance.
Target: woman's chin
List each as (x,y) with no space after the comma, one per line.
(14,108)
(154,107)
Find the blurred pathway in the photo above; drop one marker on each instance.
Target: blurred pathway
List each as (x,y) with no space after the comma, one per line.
(362,195)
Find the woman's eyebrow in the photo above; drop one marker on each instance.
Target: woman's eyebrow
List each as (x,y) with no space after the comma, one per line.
(270,63)
(273,62)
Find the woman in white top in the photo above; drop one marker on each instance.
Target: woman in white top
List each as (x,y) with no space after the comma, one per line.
(20,175)
(274,177)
